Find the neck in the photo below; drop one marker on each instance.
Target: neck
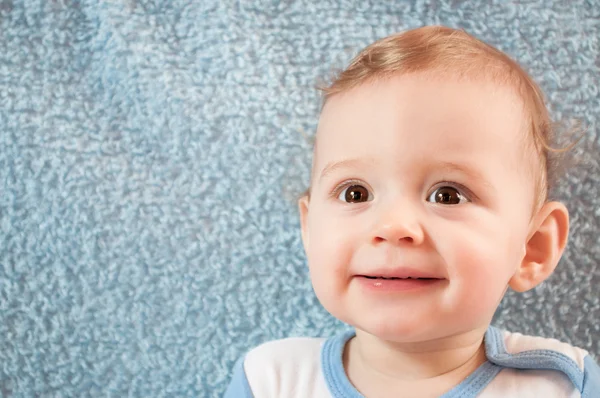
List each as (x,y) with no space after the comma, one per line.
(441,362)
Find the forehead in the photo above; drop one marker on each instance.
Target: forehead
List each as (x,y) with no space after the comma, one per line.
(416,115)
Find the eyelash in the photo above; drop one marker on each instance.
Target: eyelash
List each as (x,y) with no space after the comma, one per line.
(343,185)
(464,191)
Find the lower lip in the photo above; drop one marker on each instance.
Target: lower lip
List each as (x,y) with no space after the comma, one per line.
(396,285)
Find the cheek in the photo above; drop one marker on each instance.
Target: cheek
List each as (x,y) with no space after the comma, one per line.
(329,253)
(331,240)
(328,274)
(328,257)
(481,260)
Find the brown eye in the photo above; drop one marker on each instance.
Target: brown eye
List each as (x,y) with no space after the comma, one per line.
(354,194)
(447,196)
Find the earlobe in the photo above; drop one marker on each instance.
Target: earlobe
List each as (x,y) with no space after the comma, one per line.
(544,247)
(303,209)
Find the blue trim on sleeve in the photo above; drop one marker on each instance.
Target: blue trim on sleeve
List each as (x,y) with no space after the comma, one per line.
(239,387)
(591,378)
(534,359)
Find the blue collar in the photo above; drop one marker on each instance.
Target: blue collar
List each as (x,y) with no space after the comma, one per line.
(497,359)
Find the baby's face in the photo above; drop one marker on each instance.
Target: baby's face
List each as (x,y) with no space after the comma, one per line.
(418,177)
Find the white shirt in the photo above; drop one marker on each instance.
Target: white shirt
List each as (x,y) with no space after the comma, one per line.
(517,366)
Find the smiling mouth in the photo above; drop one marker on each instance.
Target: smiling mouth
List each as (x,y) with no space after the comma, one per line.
(398,284)
(397,278)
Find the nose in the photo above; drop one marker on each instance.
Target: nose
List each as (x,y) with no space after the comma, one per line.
(398,223)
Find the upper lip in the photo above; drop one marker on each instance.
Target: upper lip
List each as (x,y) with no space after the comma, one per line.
(402,272)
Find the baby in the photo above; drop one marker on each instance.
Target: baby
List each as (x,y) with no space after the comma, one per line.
(428,200)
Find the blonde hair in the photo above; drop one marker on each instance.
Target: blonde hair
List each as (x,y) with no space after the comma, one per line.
(447,50)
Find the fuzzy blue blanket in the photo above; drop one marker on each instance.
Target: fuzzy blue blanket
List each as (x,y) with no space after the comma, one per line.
(150,156)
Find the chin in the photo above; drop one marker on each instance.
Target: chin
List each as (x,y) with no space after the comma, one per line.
(397,332)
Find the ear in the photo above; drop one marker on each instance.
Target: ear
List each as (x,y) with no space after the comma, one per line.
(545,245)
(303,203)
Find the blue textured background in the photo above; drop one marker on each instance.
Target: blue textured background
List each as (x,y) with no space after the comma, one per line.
(150,157)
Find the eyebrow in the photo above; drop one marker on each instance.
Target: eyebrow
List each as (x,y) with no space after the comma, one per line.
(344,164)
(446,167)
(470,172)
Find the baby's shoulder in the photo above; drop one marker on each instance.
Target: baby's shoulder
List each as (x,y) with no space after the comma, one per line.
(289,367)
(517,343)
(290,351)
(540,364)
